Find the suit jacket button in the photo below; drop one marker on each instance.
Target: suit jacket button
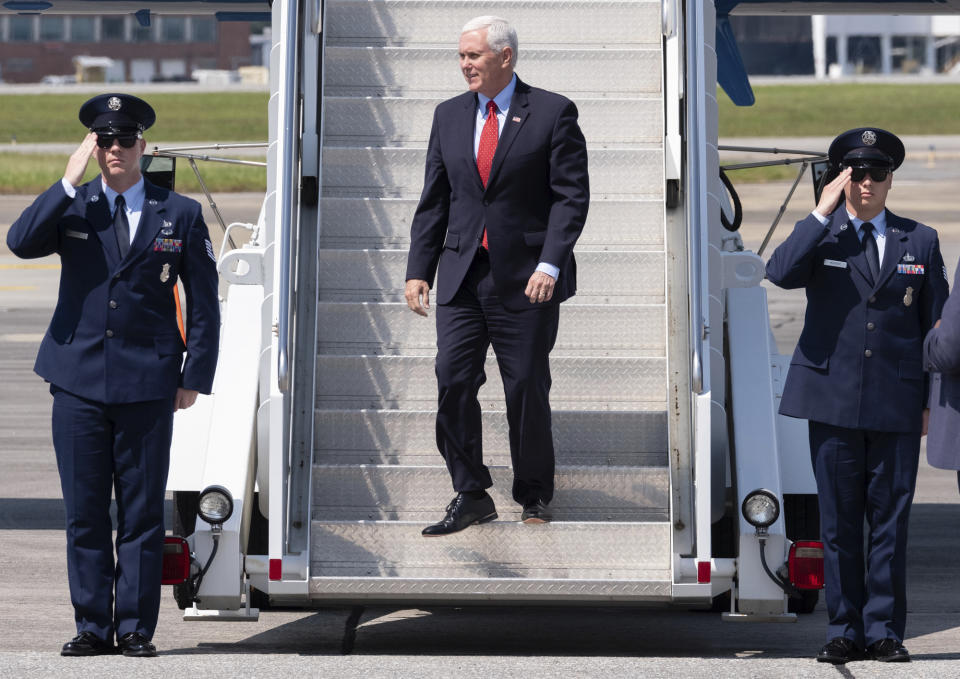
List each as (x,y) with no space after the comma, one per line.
(872,300)
(109,333)
(868,353)
(113,305)
(870,326)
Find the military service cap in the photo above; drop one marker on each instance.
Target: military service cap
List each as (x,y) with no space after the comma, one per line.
(867,147)
(117,113)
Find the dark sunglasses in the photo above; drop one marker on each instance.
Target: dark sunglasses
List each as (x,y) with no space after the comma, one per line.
(127,141)
(876,174)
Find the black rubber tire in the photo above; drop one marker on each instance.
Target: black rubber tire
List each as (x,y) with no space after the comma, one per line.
(184,519)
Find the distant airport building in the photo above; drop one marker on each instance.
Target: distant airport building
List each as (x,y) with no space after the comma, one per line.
(59,47)
(836,45)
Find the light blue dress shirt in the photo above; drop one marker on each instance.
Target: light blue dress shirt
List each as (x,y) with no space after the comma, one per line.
(133,199)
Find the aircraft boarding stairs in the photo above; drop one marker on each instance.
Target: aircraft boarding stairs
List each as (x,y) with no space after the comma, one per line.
(377,476)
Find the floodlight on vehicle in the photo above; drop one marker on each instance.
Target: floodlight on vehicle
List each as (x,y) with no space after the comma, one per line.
(215,505)
(761,509)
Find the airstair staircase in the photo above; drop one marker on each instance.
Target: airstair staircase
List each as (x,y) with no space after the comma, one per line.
(377,478)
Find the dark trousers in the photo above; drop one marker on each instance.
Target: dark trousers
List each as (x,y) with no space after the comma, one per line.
(865,474)
(126,448)
(522,341)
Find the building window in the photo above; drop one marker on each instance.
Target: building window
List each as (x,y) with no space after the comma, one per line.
(21,29)
(52,28)
(864,54)
(173,29)
(81,29)
(204,29)
(18,65)
(143,33)
(908,53)
(111,29)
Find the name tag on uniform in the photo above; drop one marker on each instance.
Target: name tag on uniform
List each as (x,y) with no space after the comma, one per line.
(916,269)
(168,245)
(840,264)
(82,235)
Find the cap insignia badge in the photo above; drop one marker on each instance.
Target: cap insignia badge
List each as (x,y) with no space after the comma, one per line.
(908,298)
(869,138)
(165,274)
(113,103)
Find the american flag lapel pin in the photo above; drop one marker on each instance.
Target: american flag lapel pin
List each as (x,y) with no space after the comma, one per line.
(516,119)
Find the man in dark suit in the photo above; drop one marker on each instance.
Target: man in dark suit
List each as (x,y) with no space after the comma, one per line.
(941,353)
(875,286)
(115,362)
(504,200)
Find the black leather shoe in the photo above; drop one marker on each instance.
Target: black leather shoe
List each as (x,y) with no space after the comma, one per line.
(135,645)
(888,650)
(535,512)
(463,512)
(839,650)
(88,643)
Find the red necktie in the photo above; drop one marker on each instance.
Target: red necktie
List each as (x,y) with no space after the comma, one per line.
(488,147)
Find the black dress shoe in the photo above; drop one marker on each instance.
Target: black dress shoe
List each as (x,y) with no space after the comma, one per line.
(888,650)
(535,512)
(135,645)
(839,650)
(88,643)
(462,512)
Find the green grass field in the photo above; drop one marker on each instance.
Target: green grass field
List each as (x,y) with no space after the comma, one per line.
(820,110)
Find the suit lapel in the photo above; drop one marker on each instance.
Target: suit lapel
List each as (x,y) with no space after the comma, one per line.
(894,249)
(469,126)
(151,221)
(99,217)
(516,116)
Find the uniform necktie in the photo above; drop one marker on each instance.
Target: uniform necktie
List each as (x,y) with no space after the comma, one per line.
(871,251)
(121,226)
(488,147)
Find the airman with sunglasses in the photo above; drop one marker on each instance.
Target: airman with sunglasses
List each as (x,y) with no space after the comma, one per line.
(114,358)
(875,285)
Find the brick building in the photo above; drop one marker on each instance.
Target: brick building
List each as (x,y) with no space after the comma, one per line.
(170,48)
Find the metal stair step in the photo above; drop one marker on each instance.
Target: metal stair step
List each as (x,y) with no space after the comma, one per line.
(392,329)
(409,383)
(406,493)
(602,277)
(433,71)
(396,121)
(409,437)
(398,171)
(364,222)
(500,549)
(595,22)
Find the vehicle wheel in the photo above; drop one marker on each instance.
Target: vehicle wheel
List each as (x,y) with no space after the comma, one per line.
(184,519)
(804,604)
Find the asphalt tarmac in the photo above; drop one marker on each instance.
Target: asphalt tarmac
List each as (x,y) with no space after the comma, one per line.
(36,616)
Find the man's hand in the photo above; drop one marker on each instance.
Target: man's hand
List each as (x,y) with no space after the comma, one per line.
(418,295)
(184,399)
(540,287)
(937,324)
(77,165)
(832,192)
(926,421)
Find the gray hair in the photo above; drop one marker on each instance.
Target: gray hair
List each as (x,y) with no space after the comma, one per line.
(500,33)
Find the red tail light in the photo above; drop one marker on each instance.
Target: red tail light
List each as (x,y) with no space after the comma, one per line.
(806,564)
(176,560)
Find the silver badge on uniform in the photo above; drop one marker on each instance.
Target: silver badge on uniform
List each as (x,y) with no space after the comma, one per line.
(114,104)
(843,227)
(165,274)
(909,258)
(166,232)
(908,298)
(869,138)
(152,201)
(94,199)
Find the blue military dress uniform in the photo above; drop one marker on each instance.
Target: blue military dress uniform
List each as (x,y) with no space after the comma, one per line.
(114,359)
(857,376)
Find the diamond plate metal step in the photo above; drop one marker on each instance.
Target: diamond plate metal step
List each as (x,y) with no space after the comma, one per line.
(397,121)
(585,330)
(622,173)
(433,71)
(595,22)
(501,549)
(405,493)
(367,222)
(409,383)
(602,277)
(601,438)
